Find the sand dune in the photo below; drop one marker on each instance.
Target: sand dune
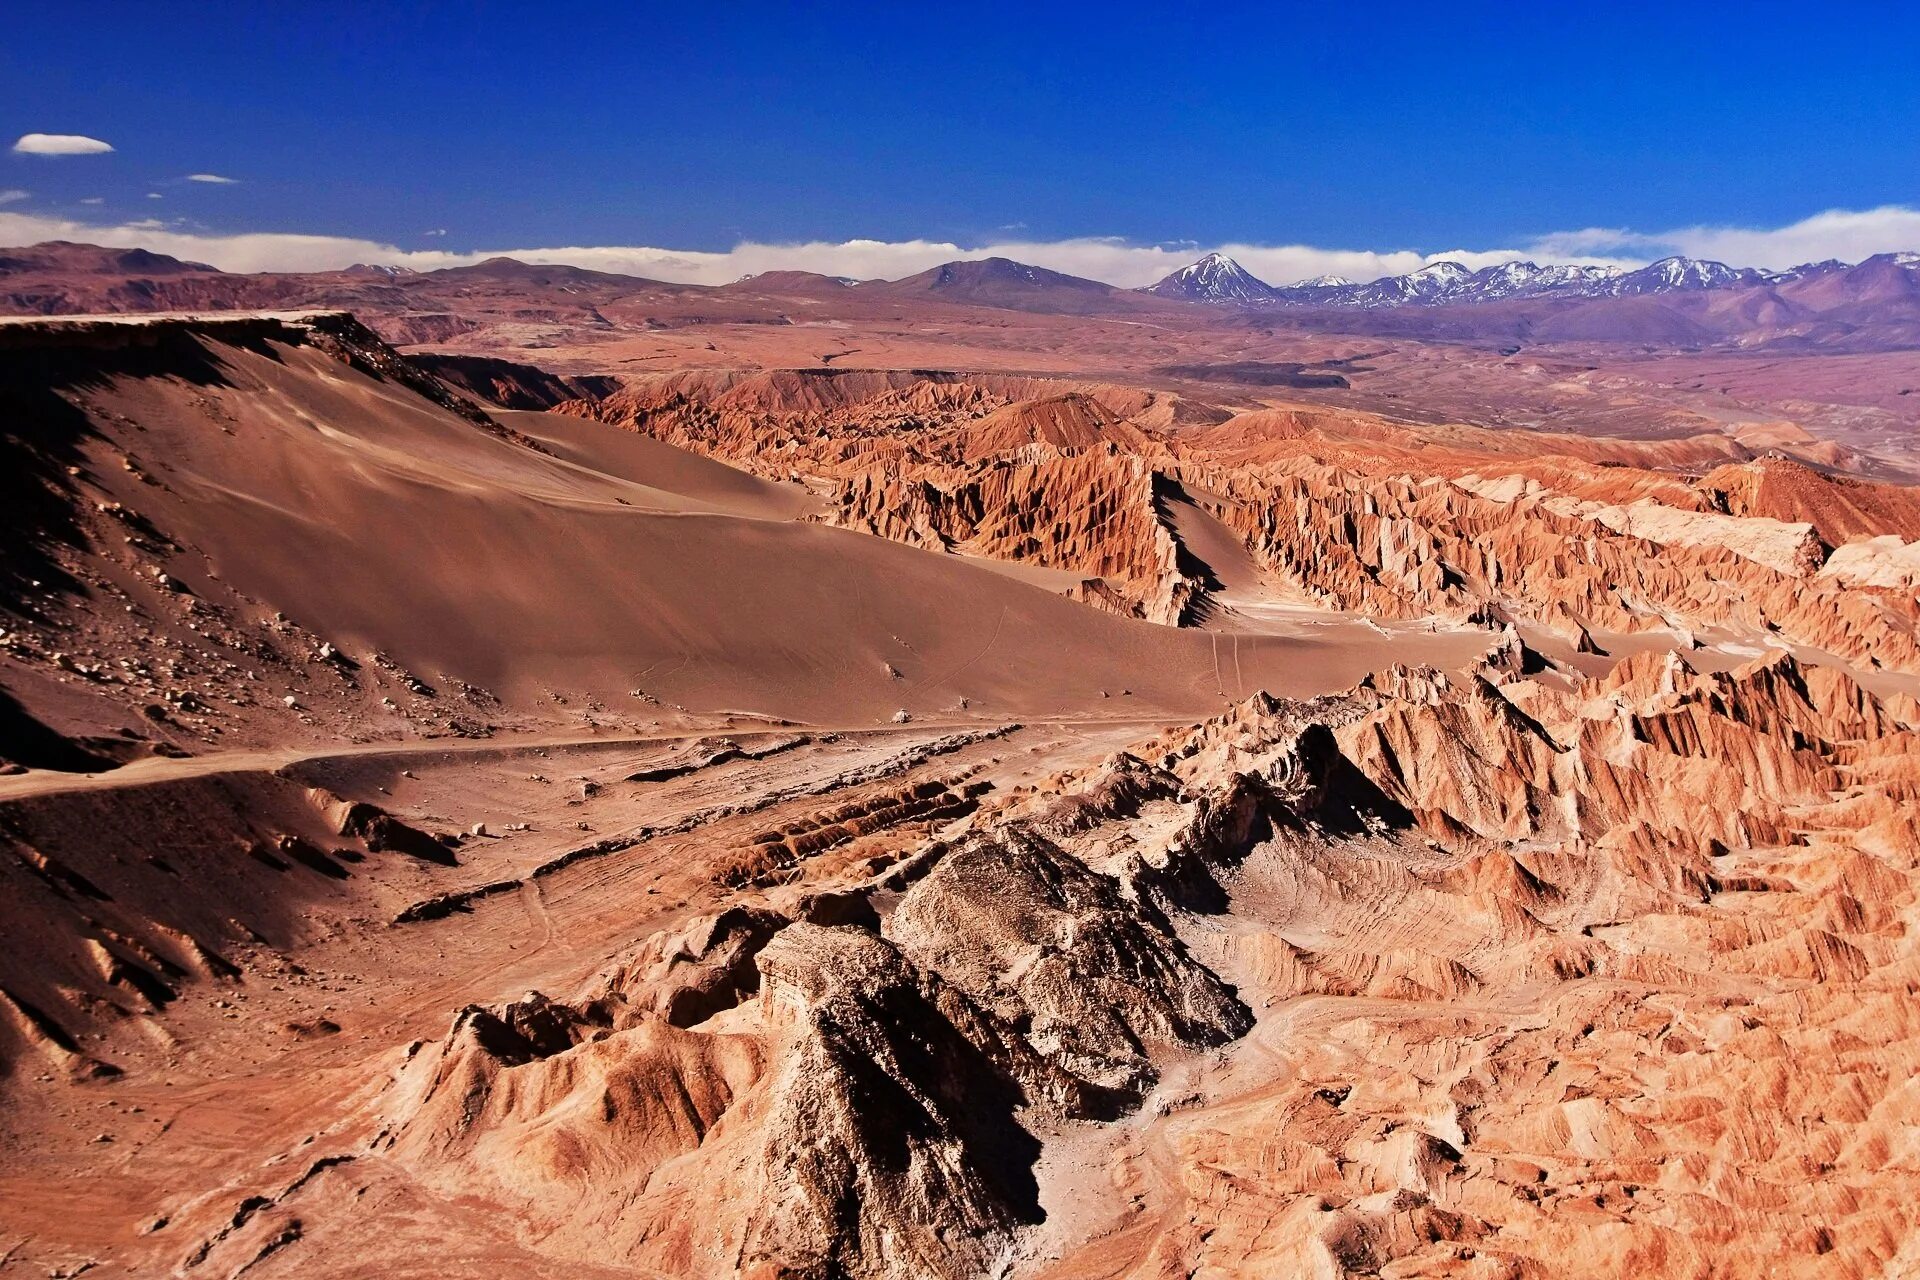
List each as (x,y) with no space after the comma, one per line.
(550,556)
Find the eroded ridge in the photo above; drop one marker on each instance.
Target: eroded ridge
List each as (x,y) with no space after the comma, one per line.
(1428,977)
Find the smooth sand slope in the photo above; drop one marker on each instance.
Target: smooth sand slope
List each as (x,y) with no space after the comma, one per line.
(563,557)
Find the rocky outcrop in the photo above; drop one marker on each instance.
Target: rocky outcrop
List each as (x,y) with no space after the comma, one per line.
(1387,544)
(1572,917)
(1095,981)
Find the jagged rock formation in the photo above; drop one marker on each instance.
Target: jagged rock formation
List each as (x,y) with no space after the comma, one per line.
(869,1086)
(1345,511)
(1365,536)
(1580,917)
(1050,474)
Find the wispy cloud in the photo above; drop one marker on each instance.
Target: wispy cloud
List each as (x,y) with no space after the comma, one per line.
(94,200)
(60,144)
(437,231)
(1838,233)
(13,195)
(1848,234)
(213,179)
(155,195)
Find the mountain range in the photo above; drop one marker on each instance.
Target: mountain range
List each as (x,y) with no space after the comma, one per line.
(1215,278)
(1218,278)
(1675,303)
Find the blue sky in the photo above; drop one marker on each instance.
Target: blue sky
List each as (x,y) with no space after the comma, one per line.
(1395,127)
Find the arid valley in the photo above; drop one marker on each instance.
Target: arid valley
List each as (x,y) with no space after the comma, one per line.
(663,796)
(894,743)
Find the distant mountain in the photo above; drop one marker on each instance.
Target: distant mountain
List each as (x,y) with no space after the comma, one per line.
(1873,306)
(1670,274)
(1448,283)
(1428,284)
(1002,282)
(1882,286)
(93,259)
(1522,280)
(803,283)
(976,274)
(1676,302)
(1806,271)
(56,278)
(1214,278)
(541,275)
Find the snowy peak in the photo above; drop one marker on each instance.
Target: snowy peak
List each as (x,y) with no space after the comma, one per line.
(1435,282)
(1670,274)
(1442,273)
(1214,278)
(1805,271)
(378,269)
(1218,278)
(1447,283)
(1431,281)
(1529,280)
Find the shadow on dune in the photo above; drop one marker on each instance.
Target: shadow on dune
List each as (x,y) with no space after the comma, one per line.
(44,436)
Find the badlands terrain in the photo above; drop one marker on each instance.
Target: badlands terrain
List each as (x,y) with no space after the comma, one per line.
(519,771)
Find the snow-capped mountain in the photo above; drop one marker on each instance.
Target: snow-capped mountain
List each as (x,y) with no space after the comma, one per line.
(1214,278)
(1571,278)
(1669,274)
(1449,283)
(1428,284)
(1218,278)
(1806,271)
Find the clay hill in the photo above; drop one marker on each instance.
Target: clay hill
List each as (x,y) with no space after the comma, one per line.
(464,815)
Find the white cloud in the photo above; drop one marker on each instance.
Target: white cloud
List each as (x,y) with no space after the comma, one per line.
(1847,234)
(94,200)
(155,195)
(261,251)
(1839,233)
(1100,258)
(59,144)
(13,195)
(437,231)
(214,179)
